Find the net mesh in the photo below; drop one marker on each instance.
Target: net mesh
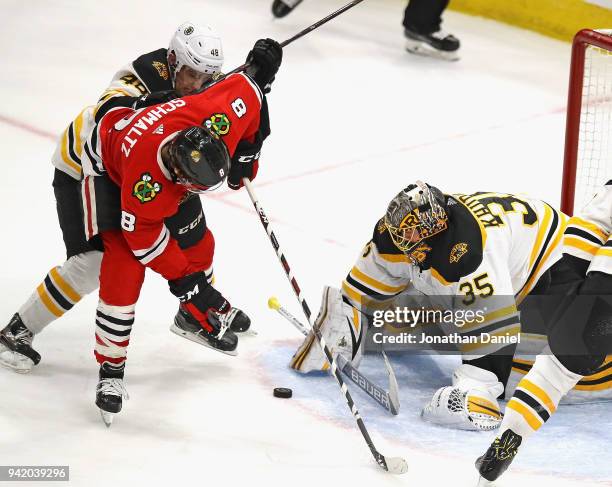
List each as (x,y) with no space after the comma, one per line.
(594,164)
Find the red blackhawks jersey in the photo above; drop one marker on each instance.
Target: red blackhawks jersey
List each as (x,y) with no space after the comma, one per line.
(127,146)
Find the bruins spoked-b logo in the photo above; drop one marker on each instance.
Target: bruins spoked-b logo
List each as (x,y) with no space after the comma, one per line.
(162,69)
(188,31)
(458,251)
(145,189)
(219,122)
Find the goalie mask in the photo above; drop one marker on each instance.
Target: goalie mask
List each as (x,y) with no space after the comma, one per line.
(416,213)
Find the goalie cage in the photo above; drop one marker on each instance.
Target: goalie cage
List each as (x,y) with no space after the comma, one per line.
(588,134)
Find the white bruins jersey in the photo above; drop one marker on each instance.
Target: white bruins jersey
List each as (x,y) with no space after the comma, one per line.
(146,74)
(589,234)
(588,237)
(496,245)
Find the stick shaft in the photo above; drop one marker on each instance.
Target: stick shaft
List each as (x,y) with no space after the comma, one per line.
(380,459)
(286,42)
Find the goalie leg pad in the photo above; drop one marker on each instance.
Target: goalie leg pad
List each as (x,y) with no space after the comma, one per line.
(340,327)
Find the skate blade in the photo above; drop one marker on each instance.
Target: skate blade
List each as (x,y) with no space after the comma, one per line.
(248,333)
(15,361)
(482,482)
(107,417)
(423,49)
(194,338)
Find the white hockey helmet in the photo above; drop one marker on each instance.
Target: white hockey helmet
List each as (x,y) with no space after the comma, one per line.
(196,46)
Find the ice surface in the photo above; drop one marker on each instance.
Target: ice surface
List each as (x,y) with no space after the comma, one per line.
(354,119)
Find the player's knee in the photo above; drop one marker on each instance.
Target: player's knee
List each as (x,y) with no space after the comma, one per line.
(83,271)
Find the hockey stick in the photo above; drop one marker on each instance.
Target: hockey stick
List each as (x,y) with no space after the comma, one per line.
(388,400)
(395,465)
(286,42)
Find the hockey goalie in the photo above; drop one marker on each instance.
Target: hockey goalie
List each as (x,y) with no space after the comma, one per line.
(459,251)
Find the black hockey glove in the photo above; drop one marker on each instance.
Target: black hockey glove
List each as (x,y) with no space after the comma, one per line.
(154,98)
(244,162)
(195,289)
(264,60)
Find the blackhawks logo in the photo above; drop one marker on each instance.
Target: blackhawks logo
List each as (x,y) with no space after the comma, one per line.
(219,123)
(162,69)
(458,251)
(145,189)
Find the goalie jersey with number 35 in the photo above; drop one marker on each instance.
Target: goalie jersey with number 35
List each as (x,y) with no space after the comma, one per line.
(489,244)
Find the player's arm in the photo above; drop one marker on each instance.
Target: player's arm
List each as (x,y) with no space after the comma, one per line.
(263,63)
(380,272)
(589,230)
(127,90)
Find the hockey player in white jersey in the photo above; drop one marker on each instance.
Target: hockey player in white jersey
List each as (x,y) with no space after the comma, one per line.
(194,57)
(464,248)
(579,336)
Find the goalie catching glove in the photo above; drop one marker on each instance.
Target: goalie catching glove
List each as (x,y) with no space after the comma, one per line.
(339,325)
(469,404)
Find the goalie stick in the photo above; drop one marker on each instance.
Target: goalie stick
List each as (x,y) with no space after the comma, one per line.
(395,465)
(388,400)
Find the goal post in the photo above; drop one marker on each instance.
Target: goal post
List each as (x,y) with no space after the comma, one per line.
(588,133)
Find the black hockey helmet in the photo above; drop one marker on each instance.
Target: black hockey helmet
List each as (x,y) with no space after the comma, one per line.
(198,159)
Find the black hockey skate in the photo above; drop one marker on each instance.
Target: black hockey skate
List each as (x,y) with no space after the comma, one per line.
(16,350)
(281,8)
(238,321)
(436,44)
(110,391)
(221,338)
(498,457)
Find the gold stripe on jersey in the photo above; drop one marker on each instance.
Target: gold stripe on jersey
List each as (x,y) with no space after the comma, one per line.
(47,301)
(107,95)
(377,286)
(395,258)
(532,420)
(64,142)
(542,232)
(603,251)
(351,293)
(575,242)
(599,381)
(541,262)
(438,277)
(591,227)
(78,126)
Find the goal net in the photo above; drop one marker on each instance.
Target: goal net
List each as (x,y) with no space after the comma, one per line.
(588,136)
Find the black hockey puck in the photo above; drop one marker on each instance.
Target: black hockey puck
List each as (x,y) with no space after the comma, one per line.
(283,392)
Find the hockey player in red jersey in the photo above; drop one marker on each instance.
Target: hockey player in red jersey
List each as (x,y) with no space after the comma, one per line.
(140,165)
(194,56)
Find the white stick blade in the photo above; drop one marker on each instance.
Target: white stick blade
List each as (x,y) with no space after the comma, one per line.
(396,465)
(482,482)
